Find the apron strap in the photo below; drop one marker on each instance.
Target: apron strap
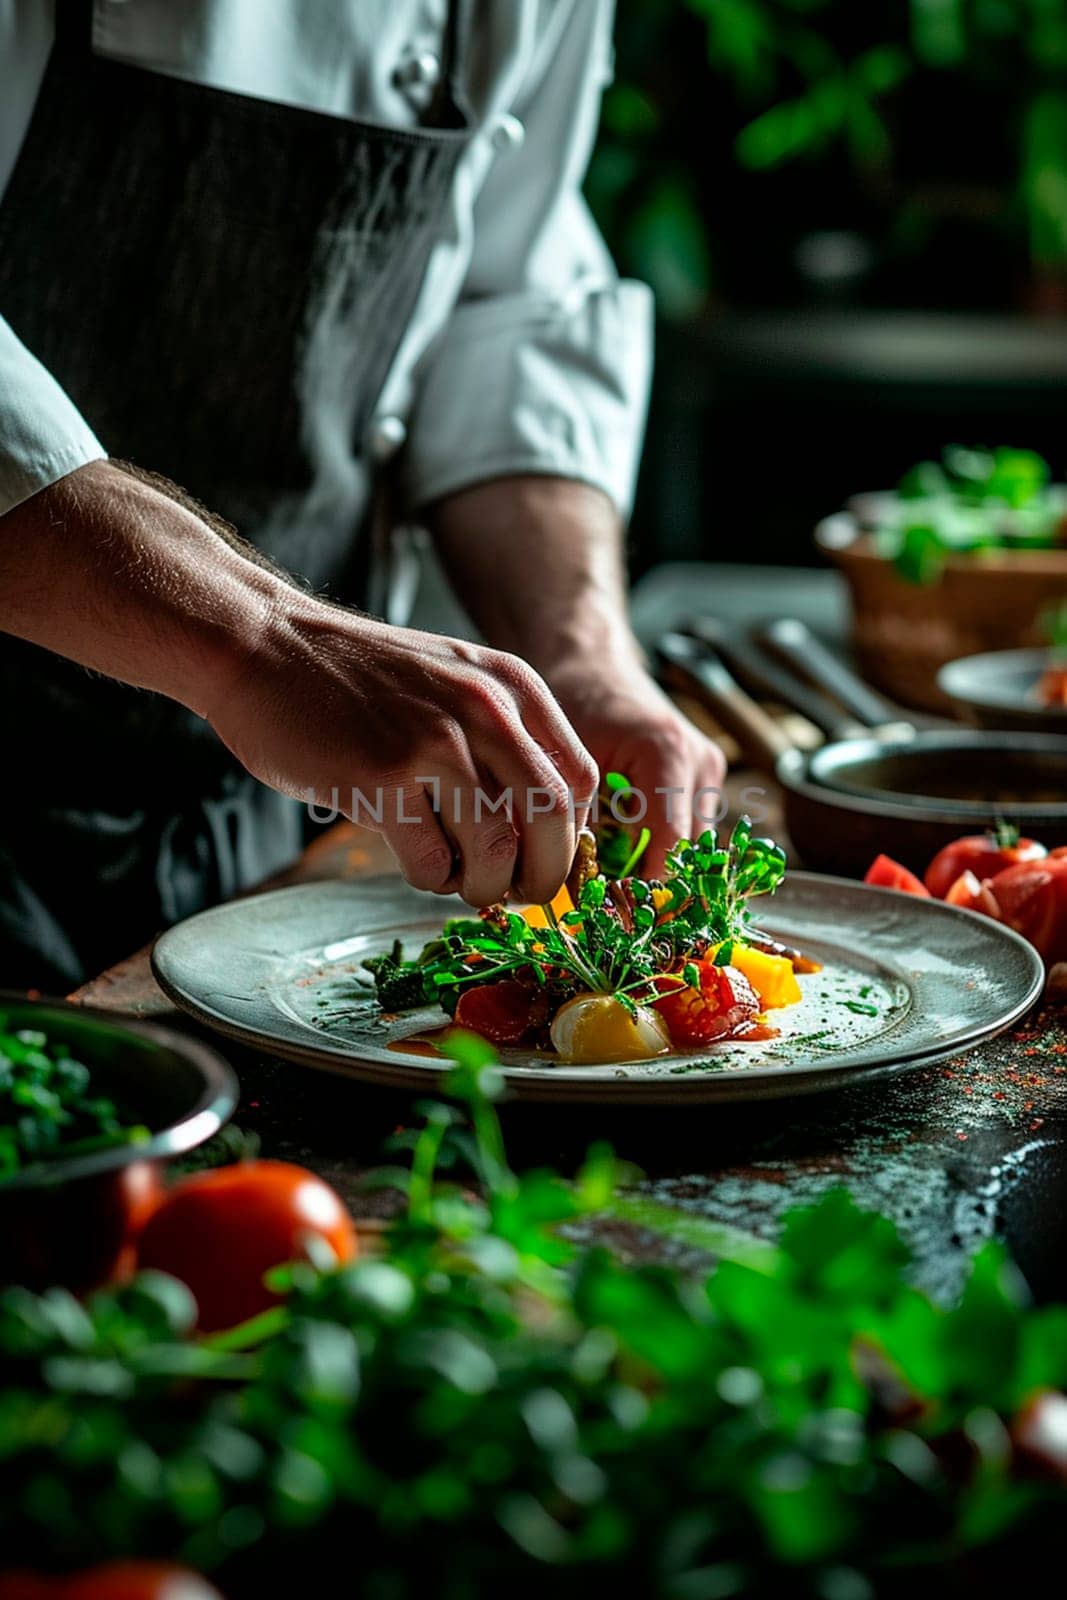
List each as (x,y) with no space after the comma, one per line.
(74,26)
(451,105)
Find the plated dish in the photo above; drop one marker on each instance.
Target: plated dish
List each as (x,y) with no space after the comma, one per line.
(616,969)
(902,981)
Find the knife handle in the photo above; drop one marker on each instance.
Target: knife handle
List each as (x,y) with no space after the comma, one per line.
(693,667)
(794,643)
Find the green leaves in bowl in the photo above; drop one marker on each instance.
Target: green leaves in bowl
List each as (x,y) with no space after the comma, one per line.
(973,500)
(49,1106)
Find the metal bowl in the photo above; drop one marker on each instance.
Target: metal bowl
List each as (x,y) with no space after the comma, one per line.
(998,690)
(71,1221)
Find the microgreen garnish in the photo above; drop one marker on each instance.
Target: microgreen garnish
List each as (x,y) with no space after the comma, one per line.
(623,935)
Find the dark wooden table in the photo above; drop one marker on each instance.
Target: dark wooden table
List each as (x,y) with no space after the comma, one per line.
(955,1154)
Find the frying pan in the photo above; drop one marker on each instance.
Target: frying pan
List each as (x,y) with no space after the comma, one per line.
(889,787)
(998,690)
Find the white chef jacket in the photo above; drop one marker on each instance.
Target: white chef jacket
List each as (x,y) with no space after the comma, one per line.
(525,353)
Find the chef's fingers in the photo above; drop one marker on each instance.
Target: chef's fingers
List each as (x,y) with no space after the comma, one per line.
(542,813)
(477,816)
(548,727)
(543,816)
(412,828)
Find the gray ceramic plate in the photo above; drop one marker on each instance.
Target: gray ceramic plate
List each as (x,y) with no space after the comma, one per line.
(904,980)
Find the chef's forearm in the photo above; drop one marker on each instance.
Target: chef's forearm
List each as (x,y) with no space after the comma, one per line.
(107,570)
(539,563)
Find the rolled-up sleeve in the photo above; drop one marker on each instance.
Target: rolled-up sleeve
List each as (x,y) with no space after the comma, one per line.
(43,436)
(544,365)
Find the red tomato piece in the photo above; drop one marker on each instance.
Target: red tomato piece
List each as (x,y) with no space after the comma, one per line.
(1032,899)
(885,873)
(27,1586)
(219,1232)
(724,1004)
(984,854)
(500,1012)
(138,1580)
(969,893)
(116,1580)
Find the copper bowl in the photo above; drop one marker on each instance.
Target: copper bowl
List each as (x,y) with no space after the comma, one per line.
(903,633)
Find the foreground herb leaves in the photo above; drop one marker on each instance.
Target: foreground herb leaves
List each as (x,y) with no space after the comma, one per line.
(495,1409)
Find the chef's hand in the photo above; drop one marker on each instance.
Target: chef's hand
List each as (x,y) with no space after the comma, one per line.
(629,725)
(539,563)
(119,572)
(428,731)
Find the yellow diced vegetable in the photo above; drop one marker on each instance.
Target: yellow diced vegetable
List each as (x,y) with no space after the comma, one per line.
(535,916)
(772,977)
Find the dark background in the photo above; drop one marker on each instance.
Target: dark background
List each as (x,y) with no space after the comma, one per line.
(854,216)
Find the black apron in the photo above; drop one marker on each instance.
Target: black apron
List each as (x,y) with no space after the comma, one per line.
(220,284)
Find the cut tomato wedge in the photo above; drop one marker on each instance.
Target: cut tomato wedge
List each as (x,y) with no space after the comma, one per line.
(969,893)
(1032,898)
(500,1012)
(723,1005)
(885,873)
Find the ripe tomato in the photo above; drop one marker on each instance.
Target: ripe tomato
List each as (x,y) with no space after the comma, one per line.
(1032,899)
(117,1580)
(219,1232)
(500,1012)
(724,1002)
(885,873)
(984,854)
(138,1580)
(26,1586)
(1039,1434)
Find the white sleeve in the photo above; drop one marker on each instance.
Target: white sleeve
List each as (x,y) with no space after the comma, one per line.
(544,365)
(43,436)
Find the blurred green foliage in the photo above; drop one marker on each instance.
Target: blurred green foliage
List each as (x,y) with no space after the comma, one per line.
(499,1409)
(781,81)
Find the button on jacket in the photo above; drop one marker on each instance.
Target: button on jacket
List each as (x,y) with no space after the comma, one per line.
(525,352)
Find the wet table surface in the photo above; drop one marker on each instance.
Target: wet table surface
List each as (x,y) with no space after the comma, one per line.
(957,1153)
